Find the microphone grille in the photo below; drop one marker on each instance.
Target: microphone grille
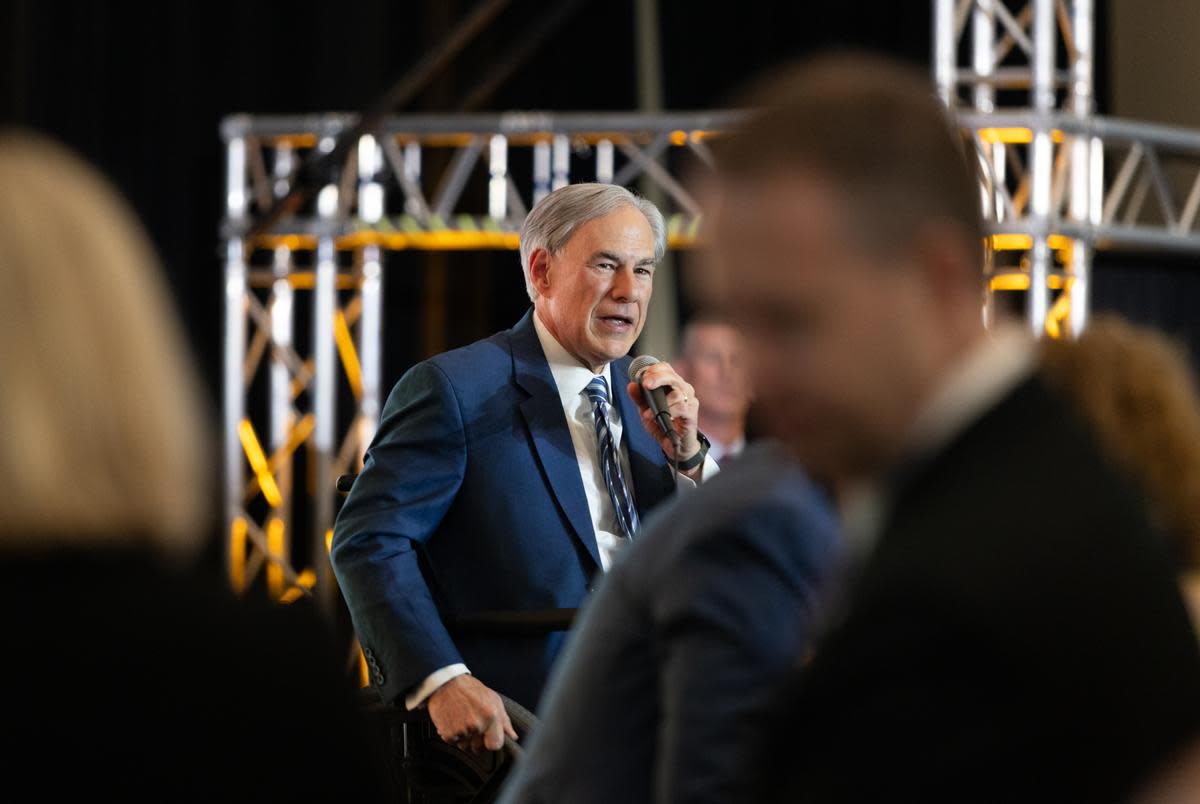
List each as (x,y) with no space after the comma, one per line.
(640,364)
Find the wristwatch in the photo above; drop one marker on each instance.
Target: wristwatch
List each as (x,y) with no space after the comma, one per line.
(697,459)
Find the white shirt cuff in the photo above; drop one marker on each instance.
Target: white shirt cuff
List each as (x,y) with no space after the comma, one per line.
(429,686)
(707,470)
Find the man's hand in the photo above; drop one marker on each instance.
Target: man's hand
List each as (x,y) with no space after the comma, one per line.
(682,404)
(469,715)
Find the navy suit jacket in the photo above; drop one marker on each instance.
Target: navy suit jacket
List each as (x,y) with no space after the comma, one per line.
(470,499)
(676,660)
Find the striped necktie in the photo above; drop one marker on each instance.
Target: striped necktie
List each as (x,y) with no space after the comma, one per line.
(610,465)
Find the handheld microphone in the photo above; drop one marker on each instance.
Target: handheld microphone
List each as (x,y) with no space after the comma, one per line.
(656,398)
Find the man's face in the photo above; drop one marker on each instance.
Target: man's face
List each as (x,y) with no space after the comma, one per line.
(836,338)
(714,363)
(593,294)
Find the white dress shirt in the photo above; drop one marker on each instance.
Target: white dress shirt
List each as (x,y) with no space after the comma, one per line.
(719,450)
(572,379)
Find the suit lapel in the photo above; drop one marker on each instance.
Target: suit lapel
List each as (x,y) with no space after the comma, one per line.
(548,431)
(652,481)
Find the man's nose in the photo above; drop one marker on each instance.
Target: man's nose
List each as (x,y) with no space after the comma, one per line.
(625,285)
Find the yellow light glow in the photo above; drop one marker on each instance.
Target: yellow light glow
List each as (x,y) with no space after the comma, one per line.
(275,549)
(1059,313)
(488,238)
(304,582)
(1010,282)
(258,462)
(1016,281)
(307,280)
(679,137)
(349,355)
(1011,242)
(364,676)
(237,555)
(1015,135)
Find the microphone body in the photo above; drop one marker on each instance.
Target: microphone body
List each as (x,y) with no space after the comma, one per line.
(656,398)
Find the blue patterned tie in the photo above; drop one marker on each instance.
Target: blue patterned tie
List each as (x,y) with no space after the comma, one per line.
(618,492)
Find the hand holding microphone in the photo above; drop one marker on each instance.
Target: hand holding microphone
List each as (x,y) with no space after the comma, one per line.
(669,408)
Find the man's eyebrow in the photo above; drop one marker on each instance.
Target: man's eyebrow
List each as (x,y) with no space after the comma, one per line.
(614,257)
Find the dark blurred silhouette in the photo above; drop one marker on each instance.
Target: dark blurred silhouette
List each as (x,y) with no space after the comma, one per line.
(678,657)
(1011,628)
(1135,387)
(132,673)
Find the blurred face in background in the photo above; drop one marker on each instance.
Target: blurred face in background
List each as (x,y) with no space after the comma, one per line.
(714,362)
(841,338)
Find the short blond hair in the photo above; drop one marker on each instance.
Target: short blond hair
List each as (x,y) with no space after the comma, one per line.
(103,434)
(1135,387)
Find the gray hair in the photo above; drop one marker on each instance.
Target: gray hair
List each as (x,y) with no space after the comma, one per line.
(556,217)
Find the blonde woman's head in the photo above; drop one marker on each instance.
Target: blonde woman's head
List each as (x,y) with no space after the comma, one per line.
(103,437)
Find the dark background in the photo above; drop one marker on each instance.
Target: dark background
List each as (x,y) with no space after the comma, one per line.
(140,89)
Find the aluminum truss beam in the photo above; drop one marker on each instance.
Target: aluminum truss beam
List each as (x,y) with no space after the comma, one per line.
(327,258)
(1057,183)
(994,56)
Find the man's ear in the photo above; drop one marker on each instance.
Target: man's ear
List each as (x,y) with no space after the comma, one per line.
(941,250)
(539,270)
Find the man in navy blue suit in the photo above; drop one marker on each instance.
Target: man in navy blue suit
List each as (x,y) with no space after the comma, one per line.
(506,475)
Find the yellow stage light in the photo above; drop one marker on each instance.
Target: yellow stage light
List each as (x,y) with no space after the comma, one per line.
(258,462)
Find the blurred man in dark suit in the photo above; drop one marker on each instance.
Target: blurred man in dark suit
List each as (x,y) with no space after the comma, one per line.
(712,357)
(1011,629)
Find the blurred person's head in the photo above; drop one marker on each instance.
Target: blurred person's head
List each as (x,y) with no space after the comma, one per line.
(712,357)
(589,252)
(847,248)
(103,439)
(1135,388)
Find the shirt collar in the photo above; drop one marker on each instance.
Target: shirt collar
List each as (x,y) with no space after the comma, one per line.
(992,368)
(570,377)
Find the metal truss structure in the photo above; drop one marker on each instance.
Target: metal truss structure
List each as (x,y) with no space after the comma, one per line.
(1019,76)
(1057,183)
(408,185)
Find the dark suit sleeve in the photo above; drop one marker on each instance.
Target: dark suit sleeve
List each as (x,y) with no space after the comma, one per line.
(412,472)
(731,624)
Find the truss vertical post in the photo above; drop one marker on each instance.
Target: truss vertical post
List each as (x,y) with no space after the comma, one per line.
(1047,209)
(233,402)
(324,399)
(1041,164)
(945,56)
(1086,164)
(560,161)
(370,285)
(282,416)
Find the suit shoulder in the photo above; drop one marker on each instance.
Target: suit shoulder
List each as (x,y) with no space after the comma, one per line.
(487,357)
(765,497)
